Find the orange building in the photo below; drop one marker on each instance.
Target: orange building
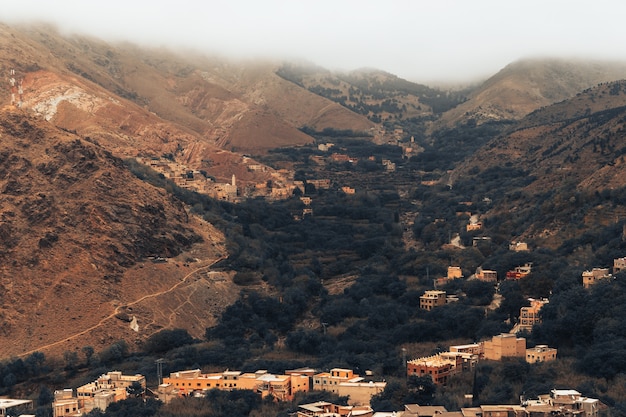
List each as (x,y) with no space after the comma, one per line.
(281,387)
(437,367)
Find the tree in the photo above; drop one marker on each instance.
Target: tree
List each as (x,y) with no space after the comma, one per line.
(135,390)
(88,351)
(421,390)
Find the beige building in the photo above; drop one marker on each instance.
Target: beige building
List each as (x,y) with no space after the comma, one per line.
(540,353)
(344,382)
(326,409)
(101,393)
(619,264)
(529,316)
(10,406)
(432,299)
(504,345)
(486,275)
(455,272)
(473,349)
(518,246)
(595,275)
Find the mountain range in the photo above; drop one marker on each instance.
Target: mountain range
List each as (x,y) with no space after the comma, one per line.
(83,240)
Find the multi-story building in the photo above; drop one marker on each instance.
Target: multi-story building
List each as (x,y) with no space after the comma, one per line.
(454,272)
(344,382)
(437,367)
(572,401)
(540,353)
(441,366)
(529,316)
(282,387)
(486,275)
(504,345)
(619,264)
(326,409)
(101,393)
(595,275)
(432,299)
(10,406)
(473,349)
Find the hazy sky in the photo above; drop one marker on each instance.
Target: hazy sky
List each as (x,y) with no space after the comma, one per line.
(417,40)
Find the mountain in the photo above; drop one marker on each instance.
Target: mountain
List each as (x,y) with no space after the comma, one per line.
(556,165)
(76,231)
(376,94)
(526,85)
(205,102)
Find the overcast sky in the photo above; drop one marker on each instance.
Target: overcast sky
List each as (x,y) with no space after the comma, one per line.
(414,39)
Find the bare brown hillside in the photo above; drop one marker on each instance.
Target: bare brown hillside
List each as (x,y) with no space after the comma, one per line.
(241,106)
(527,85)
(77,231)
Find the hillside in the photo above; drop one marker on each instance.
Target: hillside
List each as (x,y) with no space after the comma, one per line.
(378,95)
(561,155)
(526,85)
(218,102)
(75,231)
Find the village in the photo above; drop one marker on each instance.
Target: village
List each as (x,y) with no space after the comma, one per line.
(114,386)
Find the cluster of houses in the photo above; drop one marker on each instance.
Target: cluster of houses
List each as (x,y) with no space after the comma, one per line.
(279,184)
(558,403)
(343,382)
(463,358)
(114,386)
(107,389)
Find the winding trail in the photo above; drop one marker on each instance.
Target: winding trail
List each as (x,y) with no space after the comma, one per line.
(117,309)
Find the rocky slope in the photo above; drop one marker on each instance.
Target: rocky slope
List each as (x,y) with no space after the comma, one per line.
(212,101)
(563,156)
(524,86)
(74,225)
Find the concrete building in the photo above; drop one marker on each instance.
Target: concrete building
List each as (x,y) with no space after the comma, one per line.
(281,387)
(360,393)
(101,393)
(504,345)
(572,402)
(619,264)
(486,275)
(416,410)
(455,272)
(540,353)
(518,246)
(529,316)
(326,409)
(595,275)
(437,367)
(520,271)
(441,366)
(432,299)
(10,406)
(473,349)
(345,382)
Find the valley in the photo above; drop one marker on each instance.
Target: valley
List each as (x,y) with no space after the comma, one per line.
(271,216)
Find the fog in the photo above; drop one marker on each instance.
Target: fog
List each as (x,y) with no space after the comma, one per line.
(423,41)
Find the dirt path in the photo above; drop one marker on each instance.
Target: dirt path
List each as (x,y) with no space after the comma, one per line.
(126,305)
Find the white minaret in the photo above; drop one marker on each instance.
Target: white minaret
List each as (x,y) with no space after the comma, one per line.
(234,182)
